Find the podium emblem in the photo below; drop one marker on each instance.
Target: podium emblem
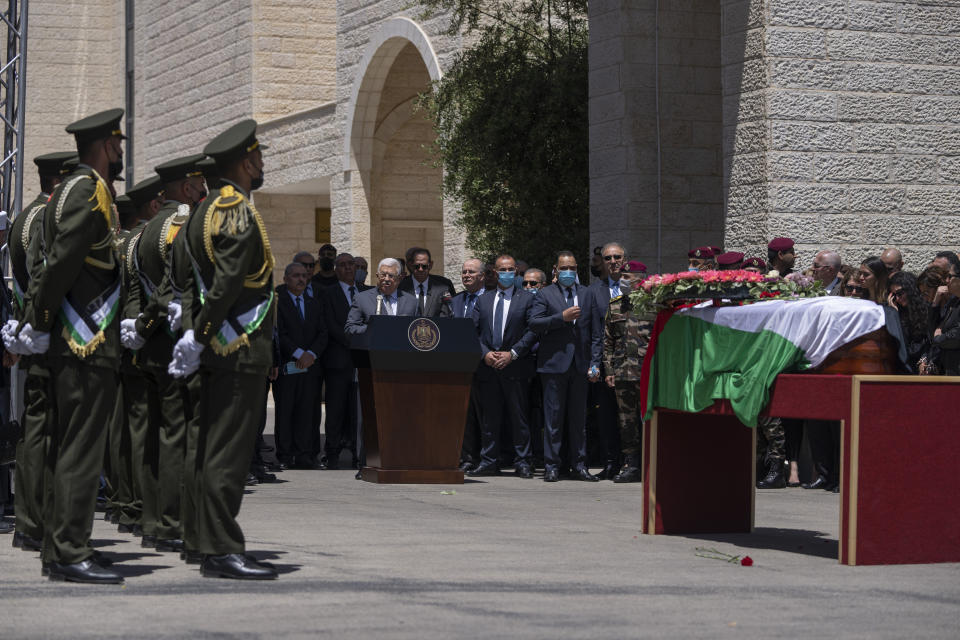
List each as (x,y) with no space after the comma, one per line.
(423,334)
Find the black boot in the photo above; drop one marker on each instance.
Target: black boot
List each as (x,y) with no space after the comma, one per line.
(630,471)
(775,478)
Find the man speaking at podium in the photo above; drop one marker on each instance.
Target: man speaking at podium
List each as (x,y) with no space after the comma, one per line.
(384,300)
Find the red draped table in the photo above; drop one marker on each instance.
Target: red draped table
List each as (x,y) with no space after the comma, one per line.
(900,448)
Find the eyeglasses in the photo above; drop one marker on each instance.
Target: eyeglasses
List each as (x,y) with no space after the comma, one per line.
(419,267)
(387,276)
(613,257)
(898,293)
(530,283)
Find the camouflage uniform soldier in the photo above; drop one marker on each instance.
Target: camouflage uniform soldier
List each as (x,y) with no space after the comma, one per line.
(625,338)
(771,449)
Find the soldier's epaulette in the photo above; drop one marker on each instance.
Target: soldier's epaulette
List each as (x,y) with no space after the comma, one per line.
(617,298)
(228,198)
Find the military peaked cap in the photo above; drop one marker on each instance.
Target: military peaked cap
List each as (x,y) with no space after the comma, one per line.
(145,191)
(235,142)
(180,168)
(98,126)
(54,164)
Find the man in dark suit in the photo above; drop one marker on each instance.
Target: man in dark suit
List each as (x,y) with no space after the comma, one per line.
(462,304)
(613,257)
(502,318)
(338,370)
(562,317)
(386,299)
(433,293)
(303,337)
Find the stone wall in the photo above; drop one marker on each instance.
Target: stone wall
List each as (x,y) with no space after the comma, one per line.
(624,133)
(290,221)
(854,106)
(72,72)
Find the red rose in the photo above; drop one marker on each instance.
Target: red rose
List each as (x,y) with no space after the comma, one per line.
(747,561)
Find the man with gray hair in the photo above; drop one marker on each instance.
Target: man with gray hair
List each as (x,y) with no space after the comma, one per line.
(384,299)
(826,269)
(309,263)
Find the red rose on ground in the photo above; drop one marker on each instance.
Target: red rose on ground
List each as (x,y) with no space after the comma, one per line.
(747,561)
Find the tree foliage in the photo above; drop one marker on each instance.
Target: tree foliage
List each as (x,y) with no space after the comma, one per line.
(511,121)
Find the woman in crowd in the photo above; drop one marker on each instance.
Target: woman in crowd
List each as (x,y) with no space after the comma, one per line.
(851,289)
(946,337)
(930,281)
(872,276)
(914,316)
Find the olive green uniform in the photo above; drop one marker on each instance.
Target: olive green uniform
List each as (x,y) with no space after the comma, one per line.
(231,311)
(170,409)
(128,462)
(75,298)
(625,339)
(31,449)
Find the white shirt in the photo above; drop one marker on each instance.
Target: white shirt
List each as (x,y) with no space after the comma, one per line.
(507,297)
(614,286)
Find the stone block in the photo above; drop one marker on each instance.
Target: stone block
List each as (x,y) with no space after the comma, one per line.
(740,46)
(608,161)
(749,137)
(876,108)
(801,227)
(877,138)
(746,169)
(898,229)
(790,167)
(913,169)
(860,45)
(604,81)
(744,107)
(750,75)
(837,229)
(742,15)
(881,199)
(809,74)
(927,139)
(784,104)
(801,136)
(872,16)
(851,167)
(830,14)
(606,107)
(948,169)
(932,80)
(936,200)
(937,20)
(802,198)
(873,77)
(796,43)
(605,134)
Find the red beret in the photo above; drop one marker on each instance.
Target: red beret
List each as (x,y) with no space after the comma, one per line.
(716,250)
(635,266)
(730,257)
(780,244)
(700,252)
(756,263)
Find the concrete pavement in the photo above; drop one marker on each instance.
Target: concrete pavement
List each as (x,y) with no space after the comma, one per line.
(506,556)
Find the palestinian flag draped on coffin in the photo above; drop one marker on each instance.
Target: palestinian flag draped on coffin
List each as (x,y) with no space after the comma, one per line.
(707,353)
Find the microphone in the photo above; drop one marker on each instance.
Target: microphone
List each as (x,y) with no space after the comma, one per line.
(379,302)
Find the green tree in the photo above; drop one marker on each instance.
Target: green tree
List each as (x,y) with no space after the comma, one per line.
(511,121)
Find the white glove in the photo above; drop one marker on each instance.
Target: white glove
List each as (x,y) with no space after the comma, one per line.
(129,337)
(34,341)
(10,341)
(186,356)
(174,315)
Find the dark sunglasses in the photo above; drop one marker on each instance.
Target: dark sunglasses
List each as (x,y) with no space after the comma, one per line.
(530,283)
(419,267)
(612,257)
(854,289)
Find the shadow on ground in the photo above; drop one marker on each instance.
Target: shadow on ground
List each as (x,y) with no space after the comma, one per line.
(802,541)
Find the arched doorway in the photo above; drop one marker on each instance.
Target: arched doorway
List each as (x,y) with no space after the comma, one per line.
(391,191)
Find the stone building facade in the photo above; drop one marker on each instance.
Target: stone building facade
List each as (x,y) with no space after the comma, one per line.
(836,122)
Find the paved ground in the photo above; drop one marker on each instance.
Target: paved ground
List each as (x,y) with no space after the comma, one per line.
(509,557)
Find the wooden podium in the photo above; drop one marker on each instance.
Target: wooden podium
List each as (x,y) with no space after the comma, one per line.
(415,375)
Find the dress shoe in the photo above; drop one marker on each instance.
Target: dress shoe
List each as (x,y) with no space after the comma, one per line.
(484,470)
(627,474)
(583,474)
(609,472)
(466,466)
(235,565)
(283,465)
(523,470)
(832,487)
(819,483)
(191,556)
(87,571)
(172,545)
(148,542)
(115,517)
(251,480)
(359,475)
(774,478)
(28,543)
(793,484)
(274,467)
(551,475)
(6,526)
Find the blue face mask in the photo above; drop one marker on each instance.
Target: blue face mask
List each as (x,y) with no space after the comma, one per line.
(567,278)
(506,278)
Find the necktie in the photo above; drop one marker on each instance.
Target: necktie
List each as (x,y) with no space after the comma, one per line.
(614,289)
(420,300)
(471,301)
(498,322)
(300,307)
(352,290)
(569,297)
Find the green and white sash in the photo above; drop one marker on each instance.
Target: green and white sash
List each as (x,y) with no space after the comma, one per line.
(84,328)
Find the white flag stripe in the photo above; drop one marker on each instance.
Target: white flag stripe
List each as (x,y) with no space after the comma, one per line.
(817,326)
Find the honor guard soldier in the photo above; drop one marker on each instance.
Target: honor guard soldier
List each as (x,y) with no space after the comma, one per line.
(626,334)
(71,315)
(28,499)
(729,261)
(129,475)
(149,332)
(228,320)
